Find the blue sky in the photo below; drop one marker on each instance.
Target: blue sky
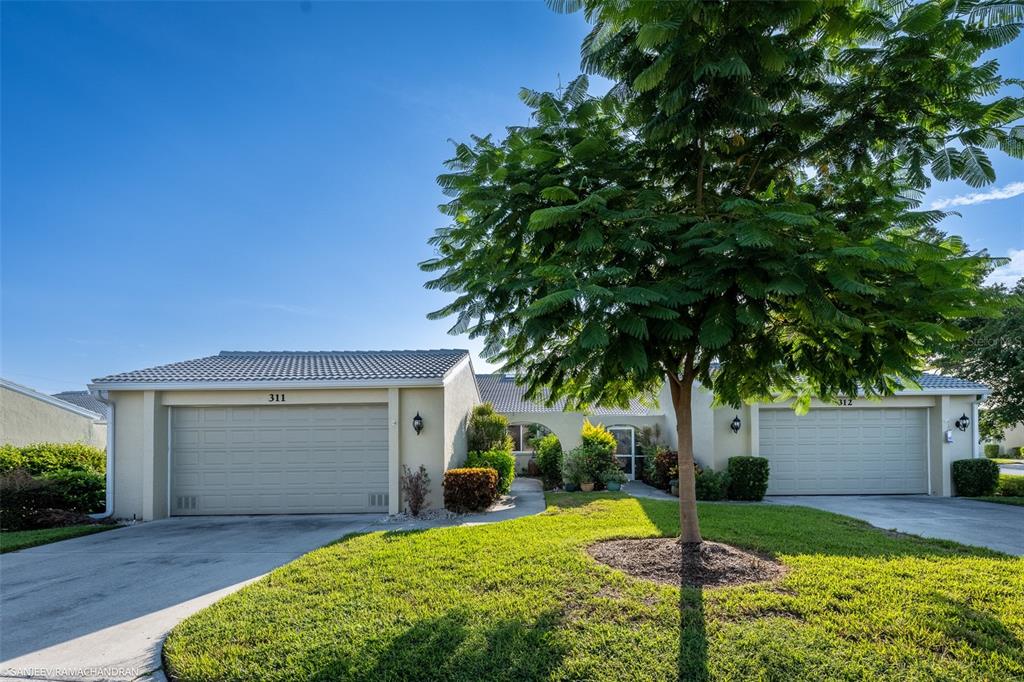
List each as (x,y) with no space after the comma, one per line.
(183,178)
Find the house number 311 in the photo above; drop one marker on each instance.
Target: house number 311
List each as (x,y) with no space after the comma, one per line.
(277,397)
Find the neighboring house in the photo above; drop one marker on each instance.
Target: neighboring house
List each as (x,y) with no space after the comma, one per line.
(28,416)
(316,432)
(84,399)
(903,444)
(1012,438)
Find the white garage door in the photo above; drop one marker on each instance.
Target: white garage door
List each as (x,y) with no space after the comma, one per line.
(279,460)
(845,451)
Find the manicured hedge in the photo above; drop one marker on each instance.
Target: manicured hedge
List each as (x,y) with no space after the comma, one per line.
(1010,486)
(712,485)
(44,458)
(502,461)
(748,478)
(468,490)
(991,450)
(975,477)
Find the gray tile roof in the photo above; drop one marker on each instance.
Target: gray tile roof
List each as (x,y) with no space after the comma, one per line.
(938,382)
(83,399)
(502,391)
(270,366)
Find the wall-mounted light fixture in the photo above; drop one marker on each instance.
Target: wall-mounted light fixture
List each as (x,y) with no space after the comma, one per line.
(417,423)
(963,422)
(735,424)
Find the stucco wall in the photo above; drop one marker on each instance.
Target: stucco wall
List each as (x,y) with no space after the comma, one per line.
(460,395)
(1012,438)
(429,448)
(25,420)
(129,443)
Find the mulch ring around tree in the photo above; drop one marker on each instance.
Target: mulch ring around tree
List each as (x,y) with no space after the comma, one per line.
(661,560)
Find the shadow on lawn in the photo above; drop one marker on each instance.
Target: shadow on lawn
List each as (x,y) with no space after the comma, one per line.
(450,647)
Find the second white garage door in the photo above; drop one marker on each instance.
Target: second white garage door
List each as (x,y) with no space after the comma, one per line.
(845,451)
(279,460)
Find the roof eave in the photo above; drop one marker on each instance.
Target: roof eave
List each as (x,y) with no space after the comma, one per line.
(429,382)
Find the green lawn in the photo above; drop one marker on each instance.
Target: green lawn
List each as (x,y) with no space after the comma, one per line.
(521,600)
(1014,500)
(21,539)
(1004,460)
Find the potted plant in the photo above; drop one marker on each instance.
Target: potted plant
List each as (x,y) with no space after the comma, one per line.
(587,486)
(673,487)
(570,486)
(614,478)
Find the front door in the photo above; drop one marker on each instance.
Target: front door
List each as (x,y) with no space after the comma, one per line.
(625,449)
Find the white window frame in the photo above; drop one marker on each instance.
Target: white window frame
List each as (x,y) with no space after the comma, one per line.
(632,440)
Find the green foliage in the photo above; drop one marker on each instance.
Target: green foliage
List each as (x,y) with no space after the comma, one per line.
(975,477)
(1010,486)
(488,430)
(748,478)
(598,438)
(549,460)
(42,458)
(502,461)
(991,450)
(712,485)
(992,351)
(470,490)
(78,491)
(661,468)
(615,475)
(21,496)
(12,541)
(588,463)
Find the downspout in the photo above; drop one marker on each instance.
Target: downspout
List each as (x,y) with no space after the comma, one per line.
(975,434)
(108,504)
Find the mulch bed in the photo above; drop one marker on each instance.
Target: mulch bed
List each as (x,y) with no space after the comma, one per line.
(661,560)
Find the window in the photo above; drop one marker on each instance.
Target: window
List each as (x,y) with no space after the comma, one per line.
(625,442)
(524,436)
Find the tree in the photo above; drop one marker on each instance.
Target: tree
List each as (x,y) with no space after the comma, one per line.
(740,210)
(992,351)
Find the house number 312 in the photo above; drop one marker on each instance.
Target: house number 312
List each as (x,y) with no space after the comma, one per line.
(277,397)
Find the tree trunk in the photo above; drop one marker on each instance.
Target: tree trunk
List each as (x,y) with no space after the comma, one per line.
(682,391)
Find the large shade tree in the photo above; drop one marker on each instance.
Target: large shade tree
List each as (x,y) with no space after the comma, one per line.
(741,209)
(992,352)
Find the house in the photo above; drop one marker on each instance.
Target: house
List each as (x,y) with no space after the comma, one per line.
(330,431)
(1013,438)
(28,416)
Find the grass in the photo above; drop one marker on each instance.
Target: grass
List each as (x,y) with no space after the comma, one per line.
(1000,499)
(11,541)
(1006,460)
(521,600)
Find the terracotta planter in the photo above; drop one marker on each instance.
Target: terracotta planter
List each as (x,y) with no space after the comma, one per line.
(587,487)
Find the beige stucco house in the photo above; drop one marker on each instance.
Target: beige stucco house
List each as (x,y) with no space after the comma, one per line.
(28,416)
(903,444)
(329,432)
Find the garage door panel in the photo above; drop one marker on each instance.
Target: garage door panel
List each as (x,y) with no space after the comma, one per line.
(845,451)
(278,460)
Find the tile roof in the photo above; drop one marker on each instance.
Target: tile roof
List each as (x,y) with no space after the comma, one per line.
(83,399)
(938,382)
(327,366)
(502,391)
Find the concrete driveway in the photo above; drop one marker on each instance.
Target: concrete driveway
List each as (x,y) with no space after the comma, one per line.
(98,607)
(984,524)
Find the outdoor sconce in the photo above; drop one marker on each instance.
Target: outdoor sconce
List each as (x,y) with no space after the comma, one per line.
(963,422)
(417,423)
(736,424)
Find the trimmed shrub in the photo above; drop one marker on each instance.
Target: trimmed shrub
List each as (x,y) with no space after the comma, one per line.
(21,497)
(488,430)
(1010,486)
(991,450)
(661,468)
(975,477)
(748,478)
(1016,453)
(43,458)
(502,461)
(549,460)
(470,490)
(416,489)
(597,437)
(712,485)
(75,491)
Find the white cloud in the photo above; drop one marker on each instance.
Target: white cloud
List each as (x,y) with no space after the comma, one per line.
(1010,273)
(1008,192)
